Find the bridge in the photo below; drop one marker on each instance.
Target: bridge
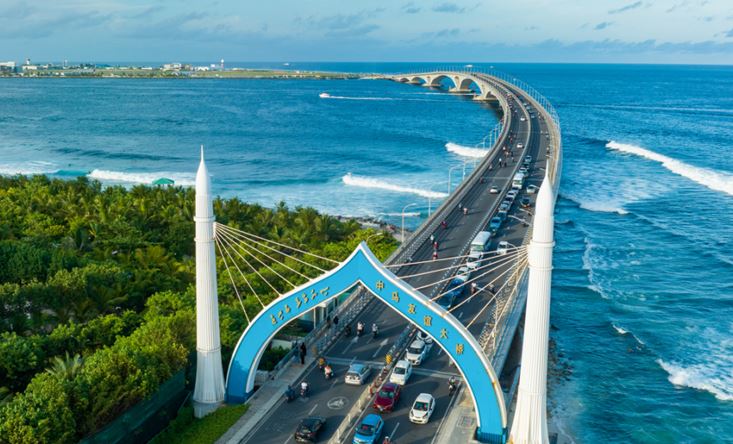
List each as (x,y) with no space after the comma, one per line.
(476,339)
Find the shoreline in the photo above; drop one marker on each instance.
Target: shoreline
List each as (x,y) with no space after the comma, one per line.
(167,74)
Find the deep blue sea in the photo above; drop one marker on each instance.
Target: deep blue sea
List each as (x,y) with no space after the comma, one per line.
(643,282)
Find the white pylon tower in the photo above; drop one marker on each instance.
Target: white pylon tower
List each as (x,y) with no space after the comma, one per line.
(530,416)
(208,393)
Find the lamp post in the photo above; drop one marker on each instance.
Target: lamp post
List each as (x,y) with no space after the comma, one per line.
(373,235)
(403,219)
(450,170)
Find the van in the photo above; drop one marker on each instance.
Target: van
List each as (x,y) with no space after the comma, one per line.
(518,181)
(480,243)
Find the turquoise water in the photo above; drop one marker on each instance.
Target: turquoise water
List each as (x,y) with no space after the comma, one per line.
(643,282)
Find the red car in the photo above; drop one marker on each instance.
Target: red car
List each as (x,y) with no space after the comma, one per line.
(387,397)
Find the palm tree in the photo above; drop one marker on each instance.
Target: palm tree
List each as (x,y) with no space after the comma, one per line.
(66,368)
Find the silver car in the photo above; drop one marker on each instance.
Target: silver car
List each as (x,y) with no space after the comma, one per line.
(357,374)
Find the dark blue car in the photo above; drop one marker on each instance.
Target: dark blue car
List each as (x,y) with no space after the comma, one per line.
(369,430)
(452,292)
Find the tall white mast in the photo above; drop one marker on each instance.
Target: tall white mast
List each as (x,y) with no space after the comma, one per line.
(530,416)
(208,393)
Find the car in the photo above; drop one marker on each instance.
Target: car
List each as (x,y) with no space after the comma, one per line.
(357,374)
(474,260)
(401,372)
(453,291)
(520,146)
(528,159)
(495,223)
(426,338)
(422,409)
(416,352)
(494,190)
(502,214)
(525,202)
(504,206)
(510,198)
(369,430)
(309,428)
(512,194)
(524,170)
(522,119)
(464,273)
(502,248)
(509,201)
(532,189)
(387,396)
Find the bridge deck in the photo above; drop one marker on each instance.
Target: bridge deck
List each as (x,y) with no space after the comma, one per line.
(333,399)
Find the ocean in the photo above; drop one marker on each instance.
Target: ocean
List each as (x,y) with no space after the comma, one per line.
(642,308)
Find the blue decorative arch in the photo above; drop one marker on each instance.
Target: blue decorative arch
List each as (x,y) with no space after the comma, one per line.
(362,267)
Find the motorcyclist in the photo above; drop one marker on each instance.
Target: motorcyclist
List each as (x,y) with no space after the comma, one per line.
(465,211)
(328,371)
(359,328)
(375,329)
(452,384)
(303,388)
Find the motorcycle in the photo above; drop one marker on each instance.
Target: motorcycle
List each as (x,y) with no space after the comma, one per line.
(328,372)
(375,332)
(289,394)
(452,386)
(303,391)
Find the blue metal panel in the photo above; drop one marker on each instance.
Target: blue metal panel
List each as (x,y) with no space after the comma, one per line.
(362,266)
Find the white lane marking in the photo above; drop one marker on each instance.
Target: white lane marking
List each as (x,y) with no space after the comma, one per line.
(460,315)
(287,440)
(313,410)
(352,342)
(391,435)
(381,345)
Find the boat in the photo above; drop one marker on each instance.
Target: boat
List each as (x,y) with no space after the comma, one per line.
(468,66)
(324,95)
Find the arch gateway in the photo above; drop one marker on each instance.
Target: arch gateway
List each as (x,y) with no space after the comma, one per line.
(362,267)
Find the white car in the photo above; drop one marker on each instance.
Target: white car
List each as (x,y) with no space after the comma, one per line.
(464,273)
(357,374)
(520,145)
(401,372)
(416,352)
(474,260)
(422,408)
(494,190)
(532,189)
(426,338)
(502,248)
(522,119)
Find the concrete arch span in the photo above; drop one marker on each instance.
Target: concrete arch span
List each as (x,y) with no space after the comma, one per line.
(362,267)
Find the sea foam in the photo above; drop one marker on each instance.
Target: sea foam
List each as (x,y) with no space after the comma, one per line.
(182,179)
(368,182)
(701,377)
(715,180)
(466,151)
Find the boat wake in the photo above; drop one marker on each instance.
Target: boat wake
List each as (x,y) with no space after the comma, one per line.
(701,377)
(715,180)
(181,179)
(466,151)
(329,96)
(368,182)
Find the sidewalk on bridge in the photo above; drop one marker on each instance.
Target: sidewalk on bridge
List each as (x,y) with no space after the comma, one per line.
(460,424)
(264,400)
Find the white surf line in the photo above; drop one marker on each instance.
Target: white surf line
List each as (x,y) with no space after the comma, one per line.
(391,435)
(313,410)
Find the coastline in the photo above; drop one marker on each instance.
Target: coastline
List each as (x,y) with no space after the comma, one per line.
(137,73)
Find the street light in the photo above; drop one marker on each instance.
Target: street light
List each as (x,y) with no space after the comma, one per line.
(379,233)
(403,219)
(450,170)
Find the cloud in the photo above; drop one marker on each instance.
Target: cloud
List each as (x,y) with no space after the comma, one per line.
(449,8)
(602,25)
(531,28)
(626,8)
(410,8)
(729,34)
(341,21)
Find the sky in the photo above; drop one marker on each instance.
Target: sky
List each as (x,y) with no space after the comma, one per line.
(599,31)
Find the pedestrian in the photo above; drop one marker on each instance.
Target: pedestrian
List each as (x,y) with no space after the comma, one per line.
(335,321)
(303,351)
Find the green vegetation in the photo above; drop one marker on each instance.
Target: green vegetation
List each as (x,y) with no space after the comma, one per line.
(185,429)
(96,297)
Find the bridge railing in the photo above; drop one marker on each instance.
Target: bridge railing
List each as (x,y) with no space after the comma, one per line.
(541,102)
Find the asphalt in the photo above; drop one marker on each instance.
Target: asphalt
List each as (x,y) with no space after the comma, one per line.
(332,399)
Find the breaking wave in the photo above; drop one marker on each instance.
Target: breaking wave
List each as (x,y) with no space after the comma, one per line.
(623,332)
(466,151)
(700,377)
(715,180)
(598,206)
(182,179)
(27,168)
(368,182)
